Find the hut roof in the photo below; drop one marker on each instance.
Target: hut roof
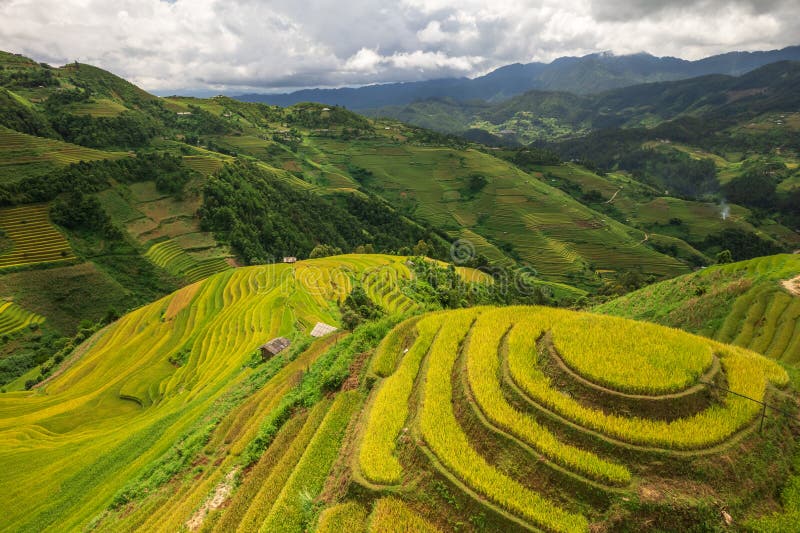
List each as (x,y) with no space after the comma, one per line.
(321,329)
(276,345)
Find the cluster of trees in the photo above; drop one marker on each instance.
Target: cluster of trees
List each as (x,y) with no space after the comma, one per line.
(741,244)
(442,286)
(474,183)
(199,123)
(126,130)
(676,172)
(65,97)
(318,116)
(81,212)
(358,308)
(27,78)
(264,218)
(166,169)
(16,116)
(530,157)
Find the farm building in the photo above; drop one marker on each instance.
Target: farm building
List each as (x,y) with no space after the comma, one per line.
(274,347)
(290,260)
(321,329)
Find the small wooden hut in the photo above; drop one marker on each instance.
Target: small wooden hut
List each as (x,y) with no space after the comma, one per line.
(274,347)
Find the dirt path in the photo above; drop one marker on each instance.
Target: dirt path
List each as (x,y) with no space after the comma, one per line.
(220,496)
(792,285)
(612,198)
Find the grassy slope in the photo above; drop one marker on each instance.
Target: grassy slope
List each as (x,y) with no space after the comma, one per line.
(741,303)
(23,155)
(546,228)
(515,214)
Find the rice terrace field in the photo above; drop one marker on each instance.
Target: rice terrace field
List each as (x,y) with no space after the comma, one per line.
(505,383)
(169,420)
(23,155)
(33,237)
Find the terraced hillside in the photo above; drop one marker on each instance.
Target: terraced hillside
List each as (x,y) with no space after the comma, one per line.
(177,365)
(33,238)
(23,155)
(168,419)
(748,304)
(13,318)
(484,406)
(562,239)
(171,257)
(669,222)
(180,377)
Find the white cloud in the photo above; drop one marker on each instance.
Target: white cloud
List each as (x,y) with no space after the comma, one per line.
(246,44)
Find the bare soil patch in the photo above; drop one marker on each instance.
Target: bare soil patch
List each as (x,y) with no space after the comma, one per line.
(792,285)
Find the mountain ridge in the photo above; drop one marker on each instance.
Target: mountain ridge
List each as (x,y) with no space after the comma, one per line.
(564,74)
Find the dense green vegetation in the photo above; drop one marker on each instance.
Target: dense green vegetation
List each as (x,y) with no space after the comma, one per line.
(264,219)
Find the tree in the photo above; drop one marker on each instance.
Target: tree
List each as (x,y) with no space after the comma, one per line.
(422,248)
(724,257)
(324,250)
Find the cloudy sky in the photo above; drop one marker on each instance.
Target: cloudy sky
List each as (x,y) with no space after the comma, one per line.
(278,45)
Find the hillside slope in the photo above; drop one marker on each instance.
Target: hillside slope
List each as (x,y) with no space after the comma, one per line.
(168,419)
(171,378)
(748,304)
(113,198)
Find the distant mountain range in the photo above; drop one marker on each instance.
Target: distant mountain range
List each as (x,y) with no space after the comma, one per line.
(549,115)
(580,75)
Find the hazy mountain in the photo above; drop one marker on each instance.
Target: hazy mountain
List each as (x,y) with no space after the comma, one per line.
(581,75)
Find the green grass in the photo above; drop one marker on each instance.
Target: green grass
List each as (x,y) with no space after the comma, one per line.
(102,107)
(66,295)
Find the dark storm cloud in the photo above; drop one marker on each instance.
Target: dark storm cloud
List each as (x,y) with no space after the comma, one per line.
(249,44)
(617,10)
